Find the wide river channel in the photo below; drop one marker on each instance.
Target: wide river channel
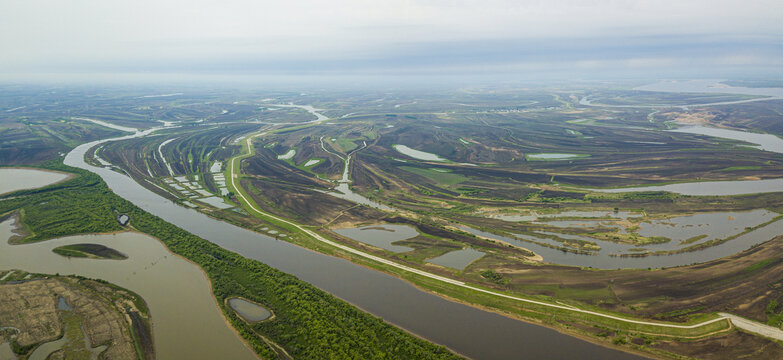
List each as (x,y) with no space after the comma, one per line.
(466,330)
(184,312)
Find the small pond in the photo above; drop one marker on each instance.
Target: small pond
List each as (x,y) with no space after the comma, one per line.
(249,311)
(459,259)
(417,154)
(381,236)
(553,156)
(288,155)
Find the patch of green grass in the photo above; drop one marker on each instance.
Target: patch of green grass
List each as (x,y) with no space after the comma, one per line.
(693,239)
(345,144)
(738,168)
(74,347)
(774,318)
(681,312)
(494,277)
(759,265)
(582,121)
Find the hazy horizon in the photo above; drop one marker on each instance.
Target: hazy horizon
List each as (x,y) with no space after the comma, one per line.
(485,40)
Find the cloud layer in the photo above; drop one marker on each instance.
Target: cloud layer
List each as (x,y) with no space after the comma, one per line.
(407,36)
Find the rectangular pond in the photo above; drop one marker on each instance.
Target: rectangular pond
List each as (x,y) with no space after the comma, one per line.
(459,259)
(381,236)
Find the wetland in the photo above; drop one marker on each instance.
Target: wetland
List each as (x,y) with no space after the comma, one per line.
(494,179)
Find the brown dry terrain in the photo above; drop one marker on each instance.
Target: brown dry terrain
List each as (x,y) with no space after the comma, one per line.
(691,117)
(735,345)
(305,204)
(31,307)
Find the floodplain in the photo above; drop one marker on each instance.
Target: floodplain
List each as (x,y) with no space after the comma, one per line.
(574,195)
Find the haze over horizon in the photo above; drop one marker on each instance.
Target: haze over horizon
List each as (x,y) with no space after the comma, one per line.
(376,38)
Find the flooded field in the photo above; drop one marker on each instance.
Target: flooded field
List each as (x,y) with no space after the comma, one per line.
(706,226)
(682,230)
(553,156)
(534,215)
(186,322)
(709,225)
(13,179)
(381,236)
(344,192)
(417,154)
(216,202)
(710,188)
(459,259)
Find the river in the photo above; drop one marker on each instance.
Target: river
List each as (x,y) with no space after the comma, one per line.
(14,179)
(698,86)
(186,322)
(467,330)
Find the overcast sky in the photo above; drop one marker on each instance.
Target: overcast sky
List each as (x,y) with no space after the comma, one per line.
(387,37)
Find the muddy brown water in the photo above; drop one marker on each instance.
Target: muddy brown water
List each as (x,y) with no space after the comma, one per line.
(381,236)
(249,311)
(186,321)
(13,179)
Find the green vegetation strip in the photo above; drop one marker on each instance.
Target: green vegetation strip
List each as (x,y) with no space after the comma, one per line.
(94,251)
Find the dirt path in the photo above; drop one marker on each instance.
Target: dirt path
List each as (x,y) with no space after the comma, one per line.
(754,326)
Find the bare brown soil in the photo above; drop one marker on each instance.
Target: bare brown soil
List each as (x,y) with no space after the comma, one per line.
(31,307)
(734,345)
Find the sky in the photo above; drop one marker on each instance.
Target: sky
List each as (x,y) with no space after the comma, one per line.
(405,37)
